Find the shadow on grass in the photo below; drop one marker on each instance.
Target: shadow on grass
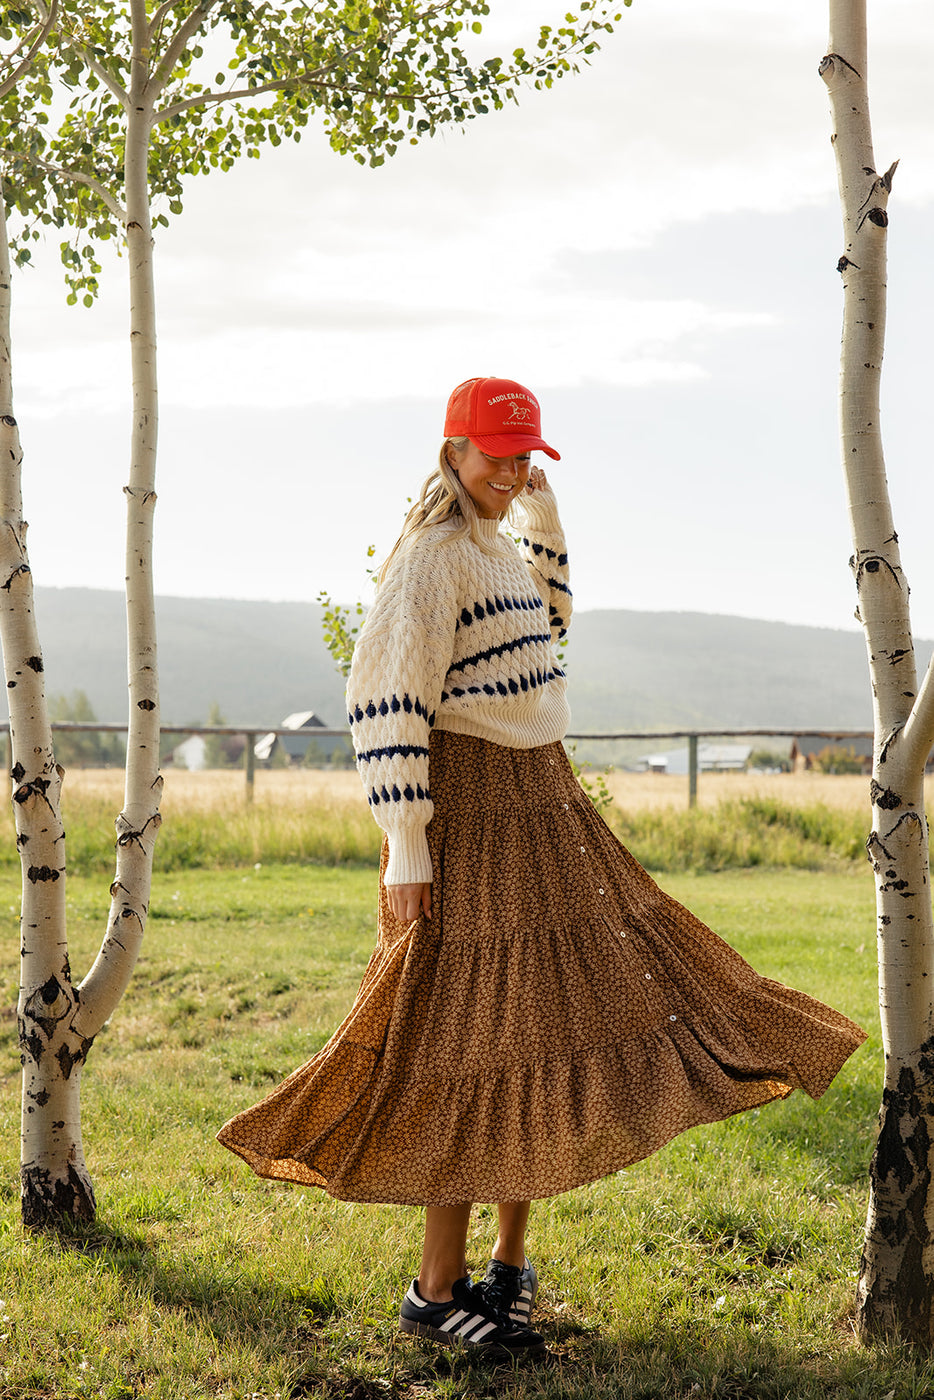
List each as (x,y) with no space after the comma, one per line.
(333,1352)
(93,1238)
(240,1308)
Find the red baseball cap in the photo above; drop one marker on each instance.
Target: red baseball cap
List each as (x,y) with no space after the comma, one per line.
(500,416)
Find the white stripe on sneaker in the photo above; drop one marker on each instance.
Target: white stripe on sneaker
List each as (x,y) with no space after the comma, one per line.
(481,1332)
(522,1307)
(455,1320)
(471,1326)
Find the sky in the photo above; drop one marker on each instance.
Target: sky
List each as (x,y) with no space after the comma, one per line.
(650,246)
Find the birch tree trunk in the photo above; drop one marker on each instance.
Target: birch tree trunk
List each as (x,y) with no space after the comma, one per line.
(55,1180)
(895,1296)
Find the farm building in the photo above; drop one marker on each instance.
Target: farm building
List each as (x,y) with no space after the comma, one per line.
(711,758)
(189,753)
(304,722)
(815,751)
(809,751)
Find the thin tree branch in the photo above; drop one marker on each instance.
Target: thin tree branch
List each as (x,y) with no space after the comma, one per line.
(214,99)
(10,82)
(78,177)
(163,12)
(185,32)
(87,58)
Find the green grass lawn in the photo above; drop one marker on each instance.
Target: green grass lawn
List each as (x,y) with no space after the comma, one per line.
(723,1266)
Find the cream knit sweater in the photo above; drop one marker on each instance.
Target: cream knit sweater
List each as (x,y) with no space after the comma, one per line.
(458,639)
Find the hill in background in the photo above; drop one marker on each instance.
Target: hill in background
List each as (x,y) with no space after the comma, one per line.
(259,661)
(627,670)
(699,669)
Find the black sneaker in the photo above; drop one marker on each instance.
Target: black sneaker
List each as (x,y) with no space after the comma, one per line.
(468,1319)
(511,1290)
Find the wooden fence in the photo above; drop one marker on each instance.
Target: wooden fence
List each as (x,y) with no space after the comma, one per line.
(253,732)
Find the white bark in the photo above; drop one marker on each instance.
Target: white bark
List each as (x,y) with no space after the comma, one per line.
(54,1177)
(896,1287)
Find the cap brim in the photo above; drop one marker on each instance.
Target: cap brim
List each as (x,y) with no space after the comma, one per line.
(510,444)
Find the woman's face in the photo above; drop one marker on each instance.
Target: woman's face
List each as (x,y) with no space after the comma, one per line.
(490,482)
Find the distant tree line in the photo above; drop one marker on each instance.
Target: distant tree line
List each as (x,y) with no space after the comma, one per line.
(89,749)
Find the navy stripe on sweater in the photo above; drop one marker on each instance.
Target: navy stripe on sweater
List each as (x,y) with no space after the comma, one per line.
(394,751)
(549,553)
(561,587)
(557,621)
(532,681)
(501,650)
(491,606)
(391,707)
(408,794)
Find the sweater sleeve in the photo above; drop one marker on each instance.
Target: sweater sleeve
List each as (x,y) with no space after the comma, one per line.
(401,658)
(545,553)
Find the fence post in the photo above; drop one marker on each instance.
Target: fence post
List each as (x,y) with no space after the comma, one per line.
(692,770)
(249,766)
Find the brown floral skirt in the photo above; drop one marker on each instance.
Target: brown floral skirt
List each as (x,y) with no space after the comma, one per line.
(556,1019)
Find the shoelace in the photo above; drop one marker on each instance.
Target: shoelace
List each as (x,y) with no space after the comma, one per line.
(502,1289)
(482,1303)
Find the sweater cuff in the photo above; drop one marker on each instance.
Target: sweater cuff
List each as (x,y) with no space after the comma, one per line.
(541,510)
(409,858)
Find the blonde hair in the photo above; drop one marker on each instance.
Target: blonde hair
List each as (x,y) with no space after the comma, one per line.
(441,498)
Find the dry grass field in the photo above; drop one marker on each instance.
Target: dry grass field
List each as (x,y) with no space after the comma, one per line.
(217,789)
(648,791)
(304,787)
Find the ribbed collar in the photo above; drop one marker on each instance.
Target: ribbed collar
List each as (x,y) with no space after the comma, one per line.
(488,529)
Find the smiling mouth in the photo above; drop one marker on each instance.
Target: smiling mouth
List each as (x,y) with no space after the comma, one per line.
(497,487)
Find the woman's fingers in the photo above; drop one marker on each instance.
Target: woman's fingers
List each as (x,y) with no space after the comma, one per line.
(408,901)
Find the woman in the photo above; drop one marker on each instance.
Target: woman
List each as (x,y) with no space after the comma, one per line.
(537,1012)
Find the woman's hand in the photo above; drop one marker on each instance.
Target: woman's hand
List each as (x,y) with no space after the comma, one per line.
(538,481)
(408,901)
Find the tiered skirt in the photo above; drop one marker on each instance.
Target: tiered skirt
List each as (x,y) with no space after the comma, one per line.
(558,1018)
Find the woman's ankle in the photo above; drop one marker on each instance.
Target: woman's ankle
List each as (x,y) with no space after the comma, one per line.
(506,1254)
(436,1288)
